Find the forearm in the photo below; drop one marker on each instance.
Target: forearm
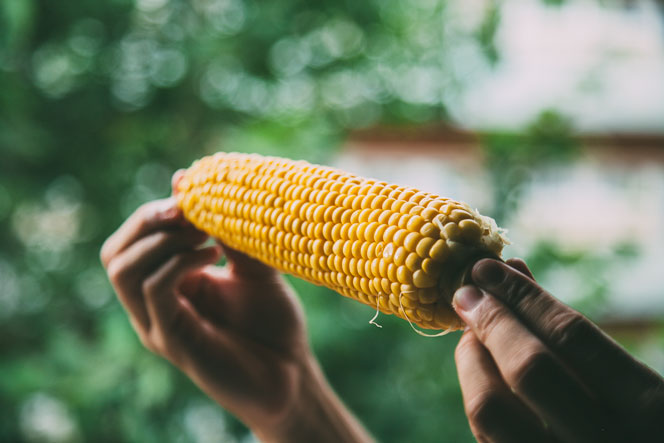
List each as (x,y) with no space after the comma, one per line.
(318,415)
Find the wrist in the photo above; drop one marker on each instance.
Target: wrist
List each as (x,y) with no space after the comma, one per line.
(317,413)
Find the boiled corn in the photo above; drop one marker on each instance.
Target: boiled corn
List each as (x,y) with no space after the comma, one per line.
(392,247)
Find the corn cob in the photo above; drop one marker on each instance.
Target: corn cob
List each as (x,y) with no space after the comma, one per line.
(391,247)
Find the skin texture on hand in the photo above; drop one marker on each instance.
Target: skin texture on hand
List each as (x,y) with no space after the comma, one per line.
(533,369)
(237,331)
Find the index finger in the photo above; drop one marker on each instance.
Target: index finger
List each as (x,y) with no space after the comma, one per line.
(157,214)
(601,363)
(495,413)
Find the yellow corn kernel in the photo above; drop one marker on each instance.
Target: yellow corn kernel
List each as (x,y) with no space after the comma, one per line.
(378,243)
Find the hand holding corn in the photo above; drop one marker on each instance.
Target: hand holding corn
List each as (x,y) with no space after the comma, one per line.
(237,332)
(534,370)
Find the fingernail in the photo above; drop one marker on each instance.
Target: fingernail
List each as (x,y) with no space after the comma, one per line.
(170,213)
(488,273)
(466,298)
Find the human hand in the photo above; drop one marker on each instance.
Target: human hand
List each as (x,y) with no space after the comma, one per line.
(534,370)
(237,331)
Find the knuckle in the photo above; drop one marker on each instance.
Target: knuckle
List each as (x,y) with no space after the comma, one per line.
(162,345)
(146,342)
(160,280)
(117,272)
(461,349)
(464,347)
(143,223)
(162,238)
(532,366)
(104,253)
(149,286)
(146,210)
(491,318)
(568,327)
(519,289)
(145,214)
(180,260)
(156,340)
(484,409)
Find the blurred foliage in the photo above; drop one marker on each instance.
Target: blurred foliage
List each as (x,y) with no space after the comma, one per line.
(101,101)
(550,262)
(553,2)
(514,159)
(486,34)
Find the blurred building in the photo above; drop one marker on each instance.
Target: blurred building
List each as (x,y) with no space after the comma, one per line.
(600,63)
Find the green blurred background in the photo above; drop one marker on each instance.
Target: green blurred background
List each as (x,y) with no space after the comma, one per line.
(547,115)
